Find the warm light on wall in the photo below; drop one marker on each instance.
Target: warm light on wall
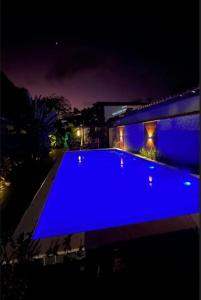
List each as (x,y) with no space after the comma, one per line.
(150,143)
(78,132)
(121,133)
(150,129)
(121,137)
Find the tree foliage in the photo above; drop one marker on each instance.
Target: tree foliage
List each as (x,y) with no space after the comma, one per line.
(27,122)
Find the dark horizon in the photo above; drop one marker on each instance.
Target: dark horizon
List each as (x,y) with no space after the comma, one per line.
(87,58)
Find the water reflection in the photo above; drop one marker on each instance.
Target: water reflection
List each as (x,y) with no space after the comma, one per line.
(121,162)
(150,180)
(80,159)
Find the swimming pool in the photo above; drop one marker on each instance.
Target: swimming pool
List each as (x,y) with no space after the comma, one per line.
(98,189)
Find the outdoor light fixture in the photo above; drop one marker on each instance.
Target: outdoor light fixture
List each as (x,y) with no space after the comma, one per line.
(78,132)
(150,178)
(150,143)
(187,183)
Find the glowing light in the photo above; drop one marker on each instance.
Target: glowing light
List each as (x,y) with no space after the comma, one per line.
(79,159)
(121,137)
(187,183)
(122,163)
(151,167)
(124,108)
(150,178)
(121,133)
(150,143)
(78,133)
(103,166)
(53,140)
(150,128)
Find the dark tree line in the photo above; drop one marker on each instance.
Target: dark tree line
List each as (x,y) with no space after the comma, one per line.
(30,126)
(26,124)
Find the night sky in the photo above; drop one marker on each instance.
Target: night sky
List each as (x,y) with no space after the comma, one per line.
(114,54)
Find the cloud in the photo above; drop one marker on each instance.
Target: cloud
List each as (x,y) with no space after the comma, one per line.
(73,61)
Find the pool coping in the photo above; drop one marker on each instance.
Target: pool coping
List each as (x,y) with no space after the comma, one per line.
(100,237)
(31,216)
(155,161)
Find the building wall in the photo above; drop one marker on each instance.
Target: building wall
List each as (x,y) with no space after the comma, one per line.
(187,105)
(178,139)
(134,137)
(111,138)
(114,110)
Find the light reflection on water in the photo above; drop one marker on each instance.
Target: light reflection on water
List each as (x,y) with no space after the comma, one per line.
(112,190)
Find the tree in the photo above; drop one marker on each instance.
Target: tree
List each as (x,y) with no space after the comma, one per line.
(39,127)
(16,102)
(59,104)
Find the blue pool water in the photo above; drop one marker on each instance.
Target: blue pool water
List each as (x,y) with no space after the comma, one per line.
(107,188)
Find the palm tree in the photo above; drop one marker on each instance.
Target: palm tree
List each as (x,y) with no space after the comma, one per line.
(40,126)
(25,248)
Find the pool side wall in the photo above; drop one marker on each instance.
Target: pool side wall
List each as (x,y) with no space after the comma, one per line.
(178,139)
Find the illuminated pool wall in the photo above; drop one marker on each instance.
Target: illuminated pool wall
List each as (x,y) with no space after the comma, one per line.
(134,137)
(177,139)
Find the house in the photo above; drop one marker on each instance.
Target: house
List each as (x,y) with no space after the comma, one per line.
(93,129)
(170,126)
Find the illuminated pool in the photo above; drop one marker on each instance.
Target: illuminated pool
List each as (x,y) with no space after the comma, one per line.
(99,189)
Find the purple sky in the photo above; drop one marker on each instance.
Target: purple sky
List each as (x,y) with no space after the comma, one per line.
(124,56)
(108,81)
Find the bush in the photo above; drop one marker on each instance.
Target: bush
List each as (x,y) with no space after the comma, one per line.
(151,153)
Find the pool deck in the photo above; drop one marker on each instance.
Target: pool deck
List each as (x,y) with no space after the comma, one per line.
(96,238)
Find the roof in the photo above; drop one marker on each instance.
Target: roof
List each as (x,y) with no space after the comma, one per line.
(162,108)
(116,103)
(174,98)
